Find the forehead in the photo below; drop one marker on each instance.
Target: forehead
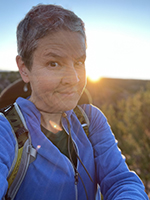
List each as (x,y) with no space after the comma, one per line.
(62,43)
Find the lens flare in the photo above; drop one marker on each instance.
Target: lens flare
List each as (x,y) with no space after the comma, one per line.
(55,126)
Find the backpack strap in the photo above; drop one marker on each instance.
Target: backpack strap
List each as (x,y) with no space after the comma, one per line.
(24,152)
(83,118)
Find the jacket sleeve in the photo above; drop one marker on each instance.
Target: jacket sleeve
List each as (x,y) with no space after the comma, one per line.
(117,182)
(7,153)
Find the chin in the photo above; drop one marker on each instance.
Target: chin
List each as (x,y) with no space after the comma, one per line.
(69,106)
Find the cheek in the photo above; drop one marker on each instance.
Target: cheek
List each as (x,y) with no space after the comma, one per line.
(43,85)
(82,77)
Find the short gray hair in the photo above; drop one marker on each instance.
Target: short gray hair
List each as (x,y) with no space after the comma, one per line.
(40,21)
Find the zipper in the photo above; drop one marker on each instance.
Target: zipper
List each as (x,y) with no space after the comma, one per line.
(75,179)
(77,152)
(74,169)
(76,182)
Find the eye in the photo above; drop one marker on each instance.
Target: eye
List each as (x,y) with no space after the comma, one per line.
(79,63)
(53,64)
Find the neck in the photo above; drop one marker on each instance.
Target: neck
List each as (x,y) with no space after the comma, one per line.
(51,122)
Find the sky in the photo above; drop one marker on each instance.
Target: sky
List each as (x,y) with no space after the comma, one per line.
(118,35)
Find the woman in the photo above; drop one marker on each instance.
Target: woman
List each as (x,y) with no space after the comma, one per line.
(69,165)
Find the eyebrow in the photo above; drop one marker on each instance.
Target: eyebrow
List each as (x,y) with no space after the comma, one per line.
(54,55)
(83,57)
(50,54)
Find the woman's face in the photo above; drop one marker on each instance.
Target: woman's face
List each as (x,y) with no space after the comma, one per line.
(57,76)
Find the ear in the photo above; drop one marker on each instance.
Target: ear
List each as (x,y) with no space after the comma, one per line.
(24,72)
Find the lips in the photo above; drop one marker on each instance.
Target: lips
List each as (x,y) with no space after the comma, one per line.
(67,94)
(67,91)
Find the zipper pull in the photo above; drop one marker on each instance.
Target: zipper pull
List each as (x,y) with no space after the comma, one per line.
(76,177)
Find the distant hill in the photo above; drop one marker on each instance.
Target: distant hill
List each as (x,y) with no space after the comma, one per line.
(107,90)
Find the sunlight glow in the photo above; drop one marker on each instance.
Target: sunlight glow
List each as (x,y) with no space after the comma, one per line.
(114,54)
(109,54)
(55,126)
(38,147)
(94,77)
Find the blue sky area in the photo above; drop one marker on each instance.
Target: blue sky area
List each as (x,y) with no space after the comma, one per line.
(118,35)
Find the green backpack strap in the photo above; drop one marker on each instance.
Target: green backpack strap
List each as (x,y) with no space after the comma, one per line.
(83,118)
(12,115)
(24,152)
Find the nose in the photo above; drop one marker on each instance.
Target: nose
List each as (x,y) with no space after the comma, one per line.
(70,75)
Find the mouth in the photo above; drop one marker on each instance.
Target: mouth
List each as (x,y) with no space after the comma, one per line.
(68,93)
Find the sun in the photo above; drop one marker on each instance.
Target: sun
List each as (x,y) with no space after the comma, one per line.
(93,74)
(94,77)
(92,71)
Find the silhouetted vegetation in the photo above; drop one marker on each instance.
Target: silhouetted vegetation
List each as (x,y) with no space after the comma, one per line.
(7,78)
(126,103)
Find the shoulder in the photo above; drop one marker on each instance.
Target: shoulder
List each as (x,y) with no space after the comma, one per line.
(93,113)
(4,124)
(6,130)
(98,124)
(7,143)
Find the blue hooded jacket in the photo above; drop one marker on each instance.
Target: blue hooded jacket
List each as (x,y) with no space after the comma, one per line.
(51,175)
